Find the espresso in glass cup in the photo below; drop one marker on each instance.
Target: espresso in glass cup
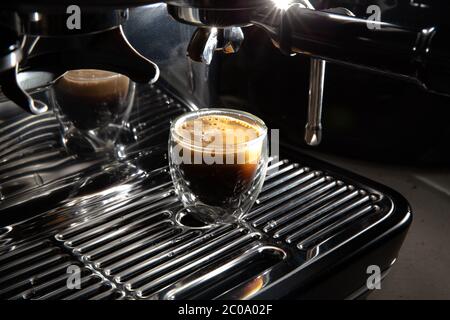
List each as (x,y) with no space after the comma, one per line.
(92,107)
(218,161)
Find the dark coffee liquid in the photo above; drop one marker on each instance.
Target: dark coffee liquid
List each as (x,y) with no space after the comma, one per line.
(92,99)
(218,185)
(221,184)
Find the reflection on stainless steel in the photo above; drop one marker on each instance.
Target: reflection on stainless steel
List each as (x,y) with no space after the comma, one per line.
(12,89)
(206,41)
(116,220)
(107,50)
(313,130)
(32,155)
(232,39)
(204,17)
(203,44)
(260,257)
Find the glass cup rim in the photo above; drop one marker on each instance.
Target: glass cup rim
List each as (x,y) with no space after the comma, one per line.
(225,112)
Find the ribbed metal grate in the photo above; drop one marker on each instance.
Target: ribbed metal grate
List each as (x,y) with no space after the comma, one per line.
(38,270)
(306,207)
(116,221)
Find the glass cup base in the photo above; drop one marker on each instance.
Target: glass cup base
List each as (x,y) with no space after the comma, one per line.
(200,217)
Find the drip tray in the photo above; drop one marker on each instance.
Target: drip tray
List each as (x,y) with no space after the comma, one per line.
(116,221)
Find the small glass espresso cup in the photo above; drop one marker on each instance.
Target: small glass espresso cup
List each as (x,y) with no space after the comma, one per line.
(93,108)
(218,161)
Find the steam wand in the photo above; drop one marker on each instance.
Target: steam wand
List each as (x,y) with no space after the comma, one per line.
(313,129)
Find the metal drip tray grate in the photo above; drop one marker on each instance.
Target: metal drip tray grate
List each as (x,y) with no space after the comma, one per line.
(308,208)
(115,221)
(38,270)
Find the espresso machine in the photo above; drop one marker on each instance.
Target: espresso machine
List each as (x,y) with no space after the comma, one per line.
(315,229)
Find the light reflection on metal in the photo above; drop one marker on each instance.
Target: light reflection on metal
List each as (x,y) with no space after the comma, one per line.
(282,4)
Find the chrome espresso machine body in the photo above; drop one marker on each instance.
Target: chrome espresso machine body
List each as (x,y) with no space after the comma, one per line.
(315,228)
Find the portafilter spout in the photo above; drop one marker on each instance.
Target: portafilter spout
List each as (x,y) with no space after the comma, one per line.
(218,29)
(205,41)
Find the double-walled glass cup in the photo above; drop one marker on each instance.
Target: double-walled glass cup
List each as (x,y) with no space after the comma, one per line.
(93,108)
(218,162)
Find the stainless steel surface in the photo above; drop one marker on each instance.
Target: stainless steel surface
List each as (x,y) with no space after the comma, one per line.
(196,81)
(219,5)
(313,129)
(106,50)
(203,44)
(38,270)
(116,220)
(53,22)
(231,40)
(206,41)
(12,89)
(11,60)
(202,17)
